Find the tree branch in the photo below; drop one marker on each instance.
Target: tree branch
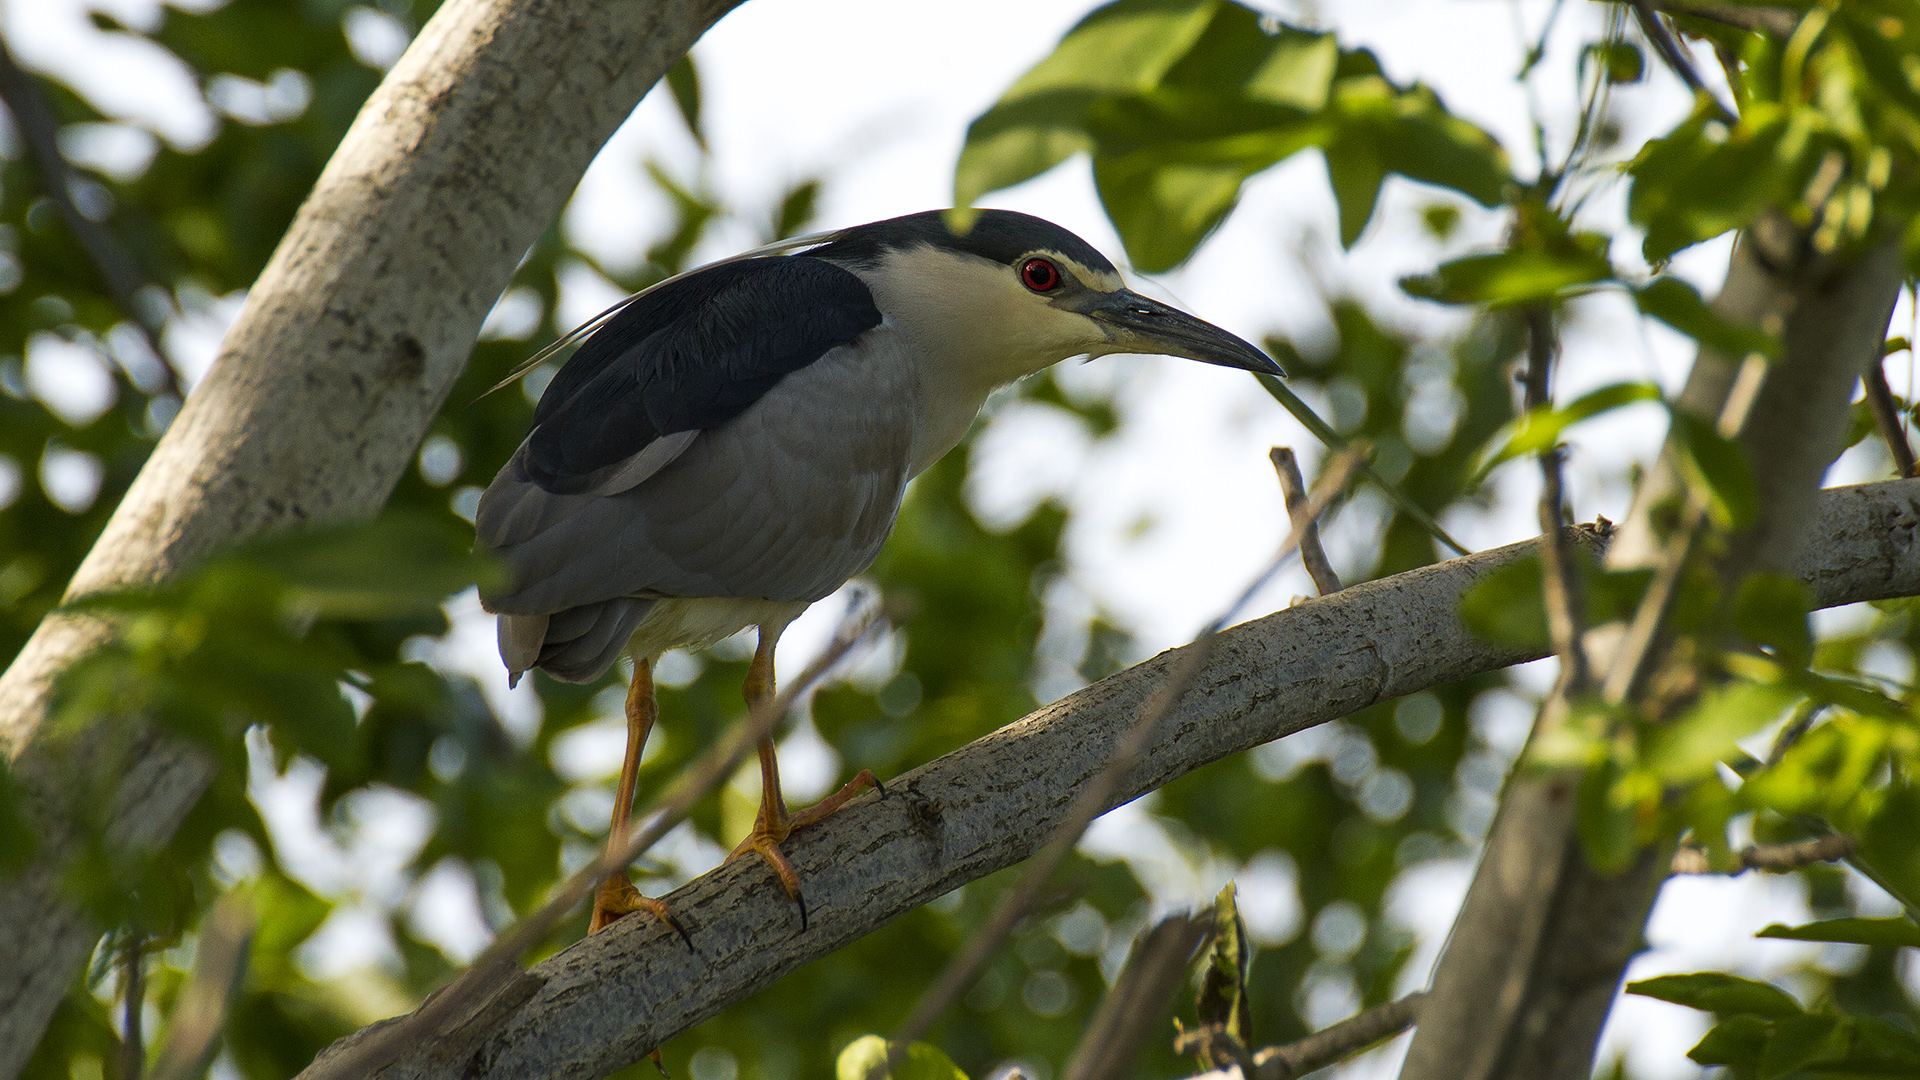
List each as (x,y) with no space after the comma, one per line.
(1772,858)
(1325,1047)
(1536,955)
(1312,556)
(1886,417)
(118,270)
(342,355)
(1134,1010)
(605,1001)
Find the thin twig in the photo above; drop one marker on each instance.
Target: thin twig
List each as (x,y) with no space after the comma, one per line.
(1096,797)
(496,970)
(1322,1048)
(1561,585)
(1886,416)
(40,132)
(1676,57)
(133,1000)
(1772,858)
(1312,555)
(200,1014)
(1137,1005)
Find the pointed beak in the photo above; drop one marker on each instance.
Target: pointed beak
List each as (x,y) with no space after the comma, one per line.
(1139,325)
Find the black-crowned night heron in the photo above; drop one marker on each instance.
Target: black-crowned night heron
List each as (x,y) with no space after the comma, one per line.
(732,445)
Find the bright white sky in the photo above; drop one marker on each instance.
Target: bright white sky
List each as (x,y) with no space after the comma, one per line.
(875,95)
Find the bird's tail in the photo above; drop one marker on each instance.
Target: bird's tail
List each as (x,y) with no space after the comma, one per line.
(576,645)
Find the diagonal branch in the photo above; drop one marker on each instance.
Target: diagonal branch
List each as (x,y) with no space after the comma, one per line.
(118,270)
(604,1002)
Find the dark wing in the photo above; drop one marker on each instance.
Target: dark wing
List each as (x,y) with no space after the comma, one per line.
(689,356)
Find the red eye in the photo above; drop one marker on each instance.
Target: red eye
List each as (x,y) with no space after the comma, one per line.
(1040,275)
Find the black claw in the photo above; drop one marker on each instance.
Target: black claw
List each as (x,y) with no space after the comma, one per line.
(688,938)
(802,901)
(879,787)
(661,1065)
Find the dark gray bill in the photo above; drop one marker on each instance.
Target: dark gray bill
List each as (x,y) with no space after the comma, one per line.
(1145,325)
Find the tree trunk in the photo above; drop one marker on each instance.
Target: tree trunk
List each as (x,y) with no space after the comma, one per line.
(342,355)
(1537,953)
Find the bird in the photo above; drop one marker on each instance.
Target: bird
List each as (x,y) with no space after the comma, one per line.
(731,445)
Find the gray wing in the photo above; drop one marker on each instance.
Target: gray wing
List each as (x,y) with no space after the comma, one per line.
(783,502)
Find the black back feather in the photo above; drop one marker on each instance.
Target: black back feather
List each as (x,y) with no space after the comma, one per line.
(690,355)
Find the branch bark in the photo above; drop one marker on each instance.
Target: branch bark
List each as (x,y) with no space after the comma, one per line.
(343,353)
(1538,950)
(607,1000)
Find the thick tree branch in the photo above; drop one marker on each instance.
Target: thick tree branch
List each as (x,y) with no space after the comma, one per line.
(1537,952)
(342,355)
(607,1000)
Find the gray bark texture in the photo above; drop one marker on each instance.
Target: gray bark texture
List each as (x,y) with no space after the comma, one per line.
(342,355)
(1540,946)
(607,1000)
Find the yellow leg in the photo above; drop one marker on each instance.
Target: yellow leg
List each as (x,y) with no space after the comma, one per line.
(774,823)
(617,896)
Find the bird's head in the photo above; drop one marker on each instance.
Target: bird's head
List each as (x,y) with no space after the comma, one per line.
(1005,294)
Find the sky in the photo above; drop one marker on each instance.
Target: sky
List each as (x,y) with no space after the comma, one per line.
(875,95)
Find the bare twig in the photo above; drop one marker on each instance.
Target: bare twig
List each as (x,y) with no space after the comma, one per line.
(1562,591)
(1320,1049)
(133,1000)
(1342,1040)
(495,975)
(1137,1005)
(1096,797)
(1772,858)
(118,270)
(1312,555)
(200,1015)
(1676,57)
(1886,416)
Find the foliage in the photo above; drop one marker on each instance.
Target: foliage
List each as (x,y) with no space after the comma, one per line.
(315,655)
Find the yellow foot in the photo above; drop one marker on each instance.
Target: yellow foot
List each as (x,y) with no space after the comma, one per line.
(618,897)
(767,836)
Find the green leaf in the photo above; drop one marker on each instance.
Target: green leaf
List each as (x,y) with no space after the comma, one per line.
(1621,61)
(1508,606)
(18,839)
(1609,829)
(1691,747)
(683,81)
(1718,465)
(1889,932)
(1738,1040)
(1540,429)
(1717,992)
(1771,609)
(1223,983)
(1509,278)
(1041,121)
(1799,1041)
(1680,306)
(1355,171)
(865,1058)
